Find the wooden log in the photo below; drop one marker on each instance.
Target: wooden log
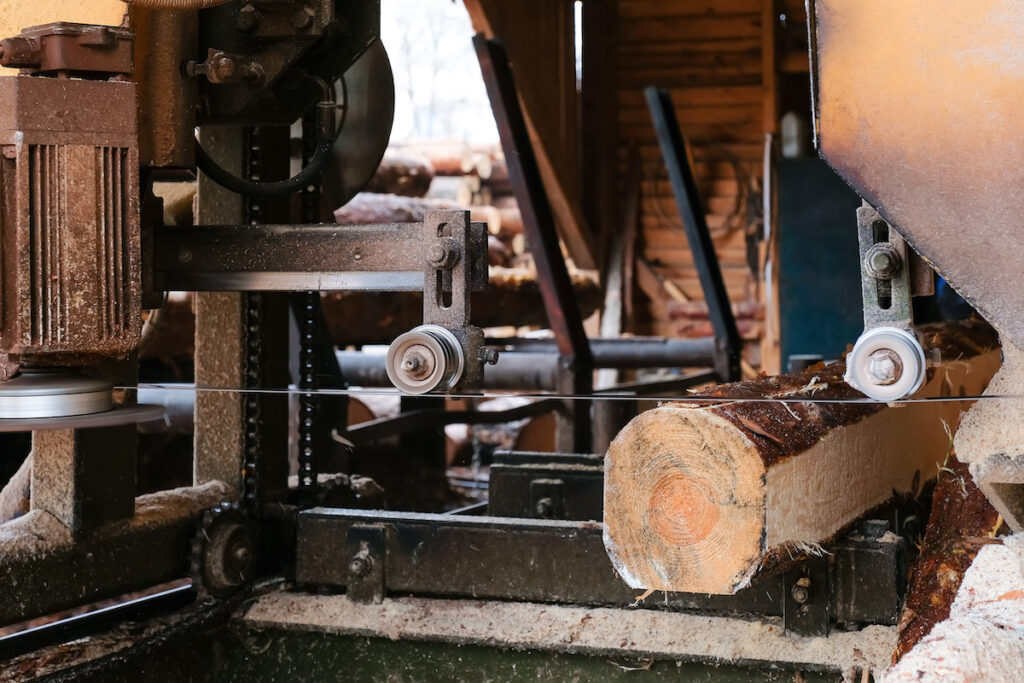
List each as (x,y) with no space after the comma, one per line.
(962,521)
(370,207)
(15,496)
(701,497)
(408,176)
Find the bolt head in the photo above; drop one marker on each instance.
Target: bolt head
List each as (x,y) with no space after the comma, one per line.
(443,254)
(246,20)
(884,367)
(240,556)
(801,591)
(303,18)
(882,261)
(418,362)
(222,68)
(361,564)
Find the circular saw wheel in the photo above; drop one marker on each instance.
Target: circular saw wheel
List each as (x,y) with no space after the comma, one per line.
(367,95)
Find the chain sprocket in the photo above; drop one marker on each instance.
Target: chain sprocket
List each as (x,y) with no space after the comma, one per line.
(223,551)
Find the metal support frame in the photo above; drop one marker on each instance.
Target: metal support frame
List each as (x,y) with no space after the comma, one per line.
(547,560)
(385,258)
(691,211)
(576,365)
(546,486)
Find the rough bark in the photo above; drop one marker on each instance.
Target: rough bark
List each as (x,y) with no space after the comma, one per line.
(983,639)
(408,176)
(700,497)
(369,207)
(962,521)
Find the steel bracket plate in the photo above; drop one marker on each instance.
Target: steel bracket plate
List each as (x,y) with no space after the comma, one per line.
(805,603)
(886,300)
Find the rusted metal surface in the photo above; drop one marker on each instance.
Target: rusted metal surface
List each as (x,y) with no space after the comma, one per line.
(281,37)
(37,550)
(69,224)
(66,49)
(388,257)
(918,107)
(167,99)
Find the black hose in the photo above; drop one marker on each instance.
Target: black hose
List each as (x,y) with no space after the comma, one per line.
(252,188)
(304,178)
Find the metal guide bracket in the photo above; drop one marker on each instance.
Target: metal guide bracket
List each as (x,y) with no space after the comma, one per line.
(885,272)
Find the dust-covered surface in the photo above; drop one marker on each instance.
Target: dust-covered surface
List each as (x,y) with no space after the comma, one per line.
(597,631)
(46,568)
(39,532)
(983,639)
(991,439)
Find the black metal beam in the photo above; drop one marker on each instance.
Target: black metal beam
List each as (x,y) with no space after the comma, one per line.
(493,557)
(386,257)
(691,211)
(538,220)
(563,312)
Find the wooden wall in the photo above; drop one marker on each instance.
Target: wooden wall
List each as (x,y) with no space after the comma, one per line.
(710,54)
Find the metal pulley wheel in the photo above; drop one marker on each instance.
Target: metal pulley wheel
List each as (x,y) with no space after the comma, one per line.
(426,358)
(886,364)
(36,394)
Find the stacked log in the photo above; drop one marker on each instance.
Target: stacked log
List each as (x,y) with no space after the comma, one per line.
(405,175)
(701,497)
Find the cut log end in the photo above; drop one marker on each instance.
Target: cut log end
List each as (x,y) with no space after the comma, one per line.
(701,498)
(675,509)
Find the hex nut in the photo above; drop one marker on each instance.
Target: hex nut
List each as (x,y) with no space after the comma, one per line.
(444,254)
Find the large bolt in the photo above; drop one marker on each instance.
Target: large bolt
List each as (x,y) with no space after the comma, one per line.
(884,367)
(882,261)
(303,18)
(240,555)
(444,253)
(801,591)
(418,362)
(246,19)
(361,563)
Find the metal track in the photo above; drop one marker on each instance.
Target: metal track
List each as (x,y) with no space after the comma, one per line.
(253,165)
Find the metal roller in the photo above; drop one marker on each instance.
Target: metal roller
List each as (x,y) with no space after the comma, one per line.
(424,359)
(886,364)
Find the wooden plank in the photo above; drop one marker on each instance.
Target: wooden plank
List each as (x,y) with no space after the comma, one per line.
(699,97)
(648,9)
(674,237)
(769,54)
(681,29)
